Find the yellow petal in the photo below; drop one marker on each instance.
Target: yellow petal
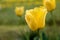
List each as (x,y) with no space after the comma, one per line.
(31,21)
(43,13)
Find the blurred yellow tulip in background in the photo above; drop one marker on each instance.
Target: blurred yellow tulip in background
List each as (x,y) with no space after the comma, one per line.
(19,11)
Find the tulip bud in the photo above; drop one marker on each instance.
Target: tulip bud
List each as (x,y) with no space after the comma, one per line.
(19,11)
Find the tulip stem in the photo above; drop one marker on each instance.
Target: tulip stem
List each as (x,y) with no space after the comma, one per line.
(39,34)
(54,25)
(20,22)
(53,18)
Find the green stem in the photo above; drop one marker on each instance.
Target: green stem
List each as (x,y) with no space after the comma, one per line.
(40,34)
(53,18)
(20,22)
(54,22)
(54,25)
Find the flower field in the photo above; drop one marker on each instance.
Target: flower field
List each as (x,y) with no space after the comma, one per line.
(20,19)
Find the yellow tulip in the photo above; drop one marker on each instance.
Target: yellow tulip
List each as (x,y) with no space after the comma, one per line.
(35,18)
(19,11)
(30,20)
(50,4)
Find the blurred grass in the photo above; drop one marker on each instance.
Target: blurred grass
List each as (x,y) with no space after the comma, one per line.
(20,32)
(13,32)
